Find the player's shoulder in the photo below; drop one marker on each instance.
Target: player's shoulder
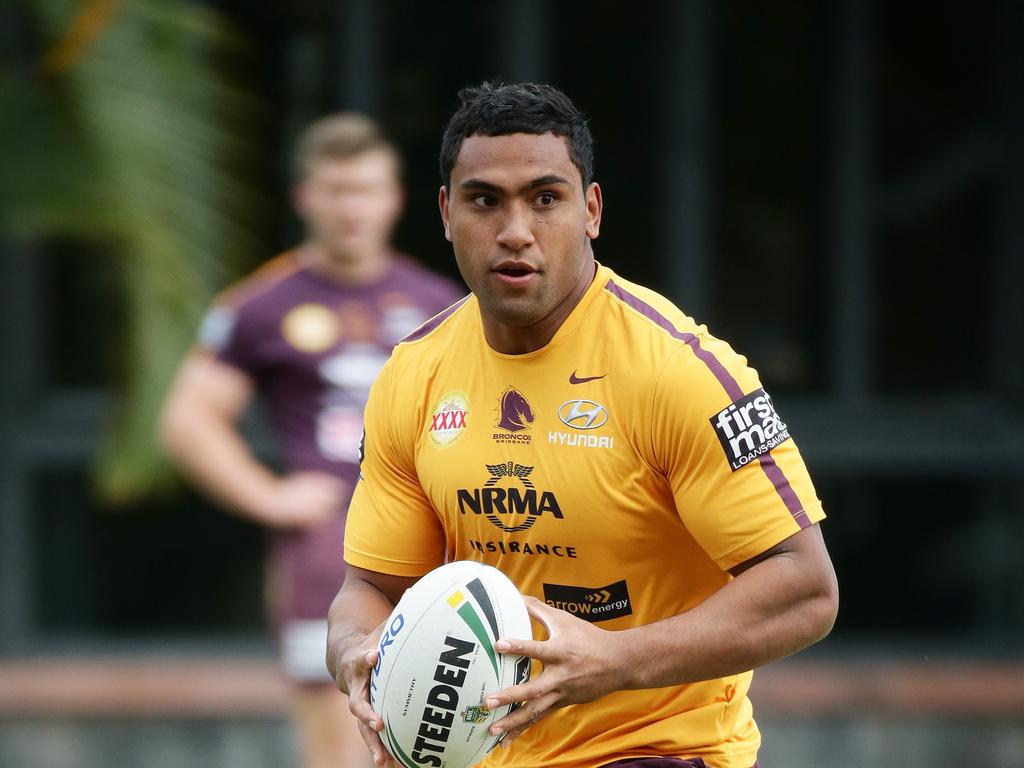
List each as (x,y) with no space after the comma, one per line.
(417,358)
(649,323)
(247,303)
(429,345)
(662,334)
(437,333)
(260,284)
(645,309)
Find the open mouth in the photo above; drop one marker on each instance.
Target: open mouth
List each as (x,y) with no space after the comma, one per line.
(514,269)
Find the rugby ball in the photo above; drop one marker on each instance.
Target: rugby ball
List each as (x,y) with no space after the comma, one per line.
(436,660)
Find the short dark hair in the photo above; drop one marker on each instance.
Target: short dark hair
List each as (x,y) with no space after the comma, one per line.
(497,109)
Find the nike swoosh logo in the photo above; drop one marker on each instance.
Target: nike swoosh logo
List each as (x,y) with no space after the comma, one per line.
(574,379)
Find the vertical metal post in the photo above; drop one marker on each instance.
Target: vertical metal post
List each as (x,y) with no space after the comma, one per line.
(358,39)
(852,294)
(18,359)
(686,150)
(1008,296)
(1008,333)
(523,54)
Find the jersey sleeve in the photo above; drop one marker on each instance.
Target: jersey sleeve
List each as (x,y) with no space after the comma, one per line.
(392,527)
(739,482)
(228,332)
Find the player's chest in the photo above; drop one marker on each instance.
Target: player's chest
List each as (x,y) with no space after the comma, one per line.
(543,451)
(339,343)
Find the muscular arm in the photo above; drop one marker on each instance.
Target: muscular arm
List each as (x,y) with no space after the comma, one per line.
(778,603)
(365,600)
(198,430)
(354,623)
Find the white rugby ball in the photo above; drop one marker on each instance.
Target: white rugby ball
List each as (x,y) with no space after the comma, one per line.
(436,660)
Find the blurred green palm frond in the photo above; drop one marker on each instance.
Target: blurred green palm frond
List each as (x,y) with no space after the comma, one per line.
(141,142)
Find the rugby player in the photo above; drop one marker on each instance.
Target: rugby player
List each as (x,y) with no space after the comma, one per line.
(307,333)
(624,467)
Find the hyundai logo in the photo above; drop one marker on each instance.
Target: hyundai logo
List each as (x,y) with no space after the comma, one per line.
(582,414)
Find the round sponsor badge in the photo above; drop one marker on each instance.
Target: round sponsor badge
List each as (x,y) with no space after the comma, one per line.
(311,328)
(447,419)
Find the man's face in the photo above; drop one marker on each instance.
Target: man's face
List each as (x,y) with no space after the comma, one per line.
(350,206)
(519,222)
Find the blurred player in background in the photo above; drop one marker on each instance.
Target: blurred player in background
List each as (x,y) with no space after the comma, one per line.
(307,333)
(601,449)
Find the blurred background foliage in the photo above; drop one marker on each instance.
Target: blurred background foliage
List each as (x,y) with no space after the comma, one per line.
(132,135)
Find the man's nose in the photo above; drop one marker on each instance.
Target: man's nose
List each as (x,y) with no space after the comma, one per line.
(516,232)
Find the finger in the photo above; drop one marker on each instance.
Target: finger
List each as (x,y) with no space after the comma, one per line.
(513,724)
(516,693)
(542,612)
(359,705)
(535,649)
(375,745)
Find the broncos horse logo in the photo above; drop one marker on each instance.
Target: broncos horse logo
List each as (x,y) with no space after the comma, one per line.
(514,410)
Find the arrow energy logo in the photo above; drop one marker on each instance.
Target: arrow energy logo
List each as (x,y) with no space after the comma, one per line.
(590,603)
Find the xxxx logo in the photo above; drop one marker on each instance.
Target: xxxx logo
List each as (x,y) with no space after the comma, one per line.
(448,419)
(598,597)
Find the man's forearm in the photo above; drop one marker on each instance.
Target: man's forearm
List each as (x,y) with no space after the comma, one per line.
(358,609)
(216,458)
(770,611)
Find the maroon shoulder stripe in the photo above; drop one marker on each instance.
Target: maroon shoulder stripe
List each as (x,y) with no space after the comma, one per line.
(725,378)
(435,321)
(784,489)
(772,470)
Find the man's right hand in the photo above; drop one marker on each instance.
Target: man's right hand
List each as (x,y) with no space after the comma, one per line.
(352,675)
(303,500)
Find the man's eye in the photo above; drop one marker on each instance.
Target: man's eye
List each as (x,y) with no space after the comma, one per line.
(484,200)
(546,198)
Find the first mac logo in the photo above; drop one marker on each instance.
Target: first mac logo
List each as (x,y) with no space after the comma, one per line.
(749,428)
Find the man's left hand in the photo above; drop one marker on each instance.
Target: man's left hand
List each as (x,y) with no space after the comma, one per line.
(576,669)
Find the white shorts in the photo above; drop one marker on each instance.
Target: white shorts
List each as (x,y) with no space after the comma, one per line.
(304,651)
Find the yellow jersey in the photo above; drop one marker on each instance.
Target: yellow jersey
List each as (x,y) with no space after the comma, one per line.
(616,473)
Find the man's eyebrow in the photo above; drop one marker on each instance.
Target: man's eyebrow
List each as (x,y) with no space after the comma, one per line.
(479,184)
(541,181)
(545,181)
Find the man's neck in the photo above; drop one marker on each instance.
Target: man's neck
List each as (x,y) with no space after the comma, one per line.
(345,269)
(521,340)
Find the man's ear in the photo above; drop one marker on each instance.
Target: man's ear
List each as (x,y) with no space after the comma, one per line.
(595,205)
(442,204)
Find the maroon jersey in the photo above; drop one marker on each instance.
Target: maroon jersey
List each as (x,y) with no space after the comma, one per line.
(313,347)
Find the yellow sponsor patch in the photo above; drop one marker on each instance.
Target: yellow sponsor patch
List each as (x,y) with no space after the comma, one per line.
(311,328)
